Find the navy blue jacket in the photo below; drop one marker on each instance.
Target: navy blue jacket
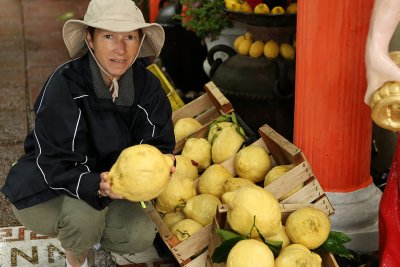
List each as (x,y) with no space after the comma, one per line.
(77,135)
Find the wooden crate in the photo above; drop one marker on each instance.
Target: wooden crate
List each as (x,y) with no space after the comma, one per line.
(283,152)
(192,252)
(328,260)
(205,109)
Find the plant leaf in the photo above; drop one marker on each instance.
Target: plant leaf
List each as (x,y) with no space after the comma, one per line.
(274,246)
(222,251)
(234,119)
(226,235)
(335,244)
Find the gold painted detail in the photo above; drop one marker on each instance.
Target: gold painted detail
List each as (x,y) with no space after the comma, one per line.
(385,105)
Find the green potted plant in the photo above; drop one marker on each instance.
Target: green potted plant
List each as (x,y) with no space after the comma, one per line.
(206,18)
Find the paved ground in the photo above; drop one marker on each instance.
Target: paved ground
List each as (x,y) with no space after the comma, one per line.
(31,47)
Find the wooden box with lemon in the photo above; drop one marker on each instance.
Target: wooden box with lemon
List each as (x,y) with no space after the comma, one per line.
(281,219)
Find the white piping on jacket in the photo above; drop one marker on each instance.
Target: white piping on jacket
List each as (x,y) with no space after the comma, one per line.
(76,129)
(77,97)
(73,141)
(148,119)
(79,182)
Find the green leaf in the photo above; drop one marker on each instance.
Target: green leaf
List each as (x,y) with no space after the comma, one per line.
(234,119)
(221,252)
(274,246)
(226,235)
(335,244)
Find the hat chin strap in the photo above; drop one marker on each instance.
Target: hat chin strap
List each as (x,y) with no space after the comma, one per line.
(114,87)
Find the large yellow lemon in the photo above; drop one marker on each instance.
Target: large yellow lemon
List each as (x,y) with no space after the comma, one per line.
(251,202)
(185,229)
(185,126)
(198,150)
(253,163)
(215,128)
(226,144)
(171,218)
(250,253)
(281,236)
(231,184)
(140,173)
(185,167)
(202,208)
(297,255)
(309,227)
(213,179)
(174,196)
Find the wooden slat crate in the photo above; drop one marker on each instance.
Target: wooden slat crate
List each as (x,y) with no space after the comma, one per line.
(284,152)
(328,260)
(191,252)
(205,109)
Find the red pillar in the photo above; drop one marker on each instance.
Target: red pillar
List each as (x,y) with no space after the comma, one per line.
(332,124)
(153,10)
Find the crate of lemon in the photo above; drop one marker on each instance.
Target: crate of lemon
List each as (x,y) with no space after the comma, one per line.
(286,243)
(194,119)
(286,206)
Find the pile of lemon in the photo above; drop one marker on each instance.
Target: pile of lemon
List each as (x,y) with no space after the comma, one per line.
(246,46)
(262,8)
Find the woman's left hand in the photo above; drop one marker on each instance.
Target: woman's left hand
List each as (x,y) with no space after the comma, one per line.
(173,168)
(105,187)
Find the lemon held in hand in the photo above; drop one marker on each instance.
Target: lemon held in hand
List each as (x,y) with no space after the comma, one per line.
(140,173)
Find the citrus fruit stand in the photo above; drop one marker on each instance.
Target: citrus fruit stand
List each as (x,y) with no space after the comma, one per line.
(258,75)
(197,248)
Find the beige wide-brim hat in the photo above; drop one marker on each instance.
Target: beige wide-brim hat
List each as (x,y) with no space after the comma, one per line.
(115,16)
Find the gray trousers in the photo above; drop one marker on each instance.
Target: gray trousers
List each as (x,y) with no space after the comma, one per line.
(123,227)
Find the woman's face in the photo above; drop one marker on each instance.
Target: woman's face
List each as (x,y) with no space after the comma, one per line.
(115,51)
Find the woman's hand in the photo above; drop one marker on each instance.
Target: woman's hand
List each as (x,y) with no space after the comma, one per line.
(173,168)
(105,187)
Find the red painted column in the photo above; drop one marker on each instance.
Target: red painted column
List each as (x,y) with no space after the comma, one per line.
(332,124)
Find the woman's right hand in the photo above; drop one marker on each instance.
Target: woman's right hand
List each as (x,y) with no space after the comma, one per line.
(105,187)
